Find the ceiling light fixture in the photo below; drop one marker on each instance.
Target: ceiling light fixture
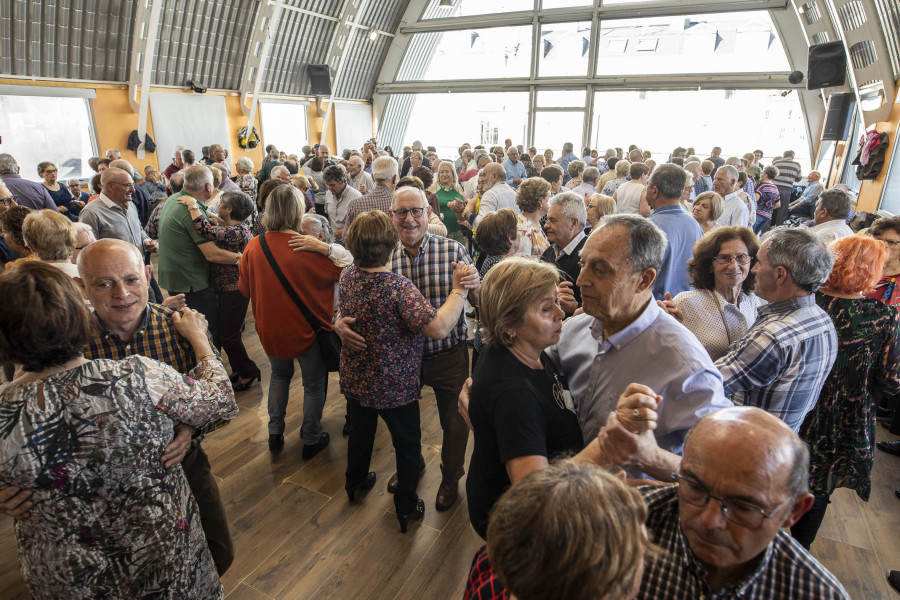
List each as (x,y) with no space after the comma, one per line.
(373,35)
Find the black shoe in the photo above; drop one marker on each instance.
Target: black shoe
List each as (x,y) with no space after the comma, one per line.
(897,492)
(234,377)
(276,442)
(894,580)
(367,484)
(243,386)
(345,430)
(416,516)
(890,447)
(884,413)
(394,480)
(310,450)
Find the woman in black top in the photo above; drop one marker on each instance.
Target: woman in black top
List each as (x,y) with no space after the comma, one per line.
(521,412)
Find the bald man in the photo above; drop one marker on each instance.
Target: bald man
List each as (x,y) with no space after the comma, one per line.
(744,478)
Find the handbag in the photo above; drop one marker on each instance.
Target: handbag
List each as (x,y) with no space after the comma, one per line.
(329,342)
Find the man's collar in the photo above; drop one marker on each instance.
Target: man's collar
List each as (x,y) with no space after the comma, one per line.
(423,245)
(631,331)
(109,203)
(570,247)
(139,329)
(788,305)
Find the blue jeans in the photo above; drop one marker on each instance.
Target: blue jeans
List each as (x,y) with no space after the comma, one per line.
(760,223)
(315,380)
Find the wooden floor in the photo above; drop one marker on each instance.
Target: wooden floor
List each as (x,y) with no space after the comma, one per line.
(297,537)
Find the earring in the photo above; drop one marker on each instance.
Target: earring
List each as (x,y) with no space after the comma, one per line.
(511,334)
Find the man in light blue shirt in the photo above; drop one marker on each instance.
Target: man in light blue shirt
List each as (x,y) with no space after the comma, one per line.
(564,160)
(682,230)
(624,337)
(515,168)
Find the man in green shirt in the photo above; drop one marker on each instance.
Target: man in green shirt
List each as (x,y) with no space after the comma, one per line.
(184,255)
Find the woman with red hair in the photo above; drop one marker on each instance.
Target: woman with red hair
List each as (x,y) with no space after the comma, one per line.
(840,430)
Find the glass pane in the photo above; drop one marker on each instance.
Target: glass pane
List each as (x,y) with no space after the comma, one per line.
(663,121)
(553,129)
(890,197)
(560,98)
(48,129)
(447,120)
(465,8)
(284,124)
(565,3)
(848,176)
(564,49)
(492,53)
(744,42)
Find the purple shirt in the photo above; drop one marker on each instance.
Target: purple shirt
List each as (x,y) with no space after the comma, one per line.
(30,193)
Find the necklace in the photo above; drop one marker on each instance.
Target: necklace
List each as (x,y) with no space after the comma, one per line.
(559,393)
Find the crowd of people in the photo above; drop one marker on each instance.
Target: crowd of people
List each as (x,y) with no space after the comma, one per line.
(705,329)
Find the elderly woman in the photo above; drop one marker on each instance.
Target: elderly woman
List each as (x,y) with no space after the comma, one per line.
(520,410)
(768,198)
(622,168)
(108,519)
(722,306)
(840,430)
(576,170)
(11,222)
(579,508)
(300,182)
(314,170)
(52,237)
(598,207)
(707,208)
(243,170)
(265,190)
(887,229)
(383,380)
(449,190)
(548,157)
(426,176)
(234,210)
(630,196)
(216,199)
(284,332)
(537,165)
(61,196)
(532,198)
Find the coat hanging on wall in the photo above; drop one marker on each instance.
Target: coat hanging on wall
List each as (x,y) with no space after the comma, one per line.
(870,158)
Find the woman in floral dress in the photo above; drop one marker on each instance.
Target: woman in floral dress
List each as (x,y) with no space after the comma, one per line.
(107,520)
(840,430)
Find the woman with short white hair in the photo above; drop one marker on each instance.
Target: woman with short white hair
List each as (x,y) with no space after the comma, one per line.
(244,178)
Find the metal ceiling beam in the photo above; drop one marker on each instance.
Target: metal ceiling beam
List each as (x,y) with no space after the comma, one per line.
(336,58)
(143,55)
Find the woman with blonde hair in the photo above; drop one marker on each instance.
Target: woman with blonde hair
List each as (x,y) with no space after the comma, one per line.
(532,198)
(707,208)
(52,237)
(598,207)
(448,190)
(299,181)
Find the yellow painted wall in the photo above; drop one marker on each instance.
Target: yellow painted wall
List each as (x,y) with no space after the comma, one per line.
(870,191)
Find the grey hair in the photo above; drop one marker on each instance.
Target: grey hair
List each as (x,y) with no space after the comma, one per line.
(646,242)
(801,253)
(771,171)
(245,163)
(320,225)
(567,147)
(669,179)
(732,171)
(590,174)
(84,228)
(798,483)
(196,178)
(836,202)
(8,164)
(357,159)
(277,170)
(413,190)
(788,154)
(384,168)
(176,181)
(572,207)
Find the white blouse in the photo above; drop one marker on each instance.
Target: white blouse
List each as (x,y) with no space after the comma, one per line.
(716,322)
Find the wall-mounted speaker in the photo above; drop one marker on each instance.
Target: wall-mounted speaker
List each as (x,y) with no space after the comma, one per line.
(841,108)
(319,80)
(827,66)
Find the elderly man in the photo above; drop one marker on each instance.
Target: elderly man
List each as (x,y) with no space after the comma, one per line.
(497,195)
(153,186)
(113,154)
(722,529)
(716,158)
(338,198)
(78,195)
(28,193)
(217,156)
(428,261)
(624,337)
(788,174)
(138,196)
(270,161)
(482,159)
(805,205)
(588,185)
(782,361)
(325,152)
(185,254)
(357,178)
(699,183)
(384,172)
(115,281)
(461,164)
(830,217)
(113,215)
(565,158)
(664,191)
(515,169)
(84,236)
(734,211)
(177,163)
(566,218)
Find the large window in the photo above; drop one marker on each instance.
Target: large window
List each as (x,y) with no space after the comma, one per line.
(284,124)
(492,53)
(564,49)
(848,175)
(741,42)
(53,129)
(468,8)
(447,120)
(738,121)
(890,196)
(553,129)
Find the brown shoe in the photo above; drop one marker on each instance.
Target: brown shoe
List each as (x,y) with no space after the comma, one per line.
(447,495)
(394,480)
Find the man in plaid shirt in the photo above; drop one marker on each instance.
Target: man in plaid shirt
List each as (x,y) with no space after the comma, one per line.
(384,172)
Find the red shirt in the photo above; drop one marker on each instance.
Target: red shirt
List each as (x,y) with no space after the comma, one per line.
(282,329)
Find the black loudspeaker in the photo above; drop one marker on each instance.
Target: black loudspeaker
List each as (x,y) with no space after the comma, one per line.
(839,118)
(319,80)
(827,66)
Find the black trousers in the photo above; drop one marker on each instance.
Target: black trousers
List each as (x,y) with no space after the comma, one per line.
(406,435)
(212,513)
(781,213)
(806,529)
(207,303)
(232,310)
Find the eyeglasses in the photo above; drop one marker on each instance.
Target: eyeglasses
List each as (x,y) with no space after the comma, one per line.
(725,259)
(129,186)
(735,511)
(50,171)
(402,212)
(8,200)
(890,243)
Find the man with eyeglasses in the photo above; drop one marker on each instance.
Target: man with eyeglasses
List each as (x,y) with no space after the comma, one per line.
(113,214)
(428,261)
(74,187)
(7,200)
(782,361)
(722,529)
